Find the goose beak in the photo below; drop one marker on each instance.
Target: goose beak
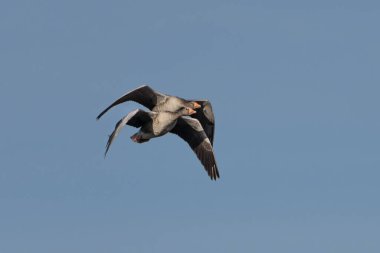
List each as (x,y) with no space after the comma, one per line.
(196,105)
(191,111)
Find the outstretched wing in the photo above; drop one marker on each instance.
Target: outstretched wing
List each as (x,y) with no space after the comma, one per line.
(205,115)
(135,118)
(192,132)
(143,95)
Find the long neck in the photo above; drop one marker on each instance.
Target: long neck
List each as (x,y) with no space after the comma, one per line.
(177,114)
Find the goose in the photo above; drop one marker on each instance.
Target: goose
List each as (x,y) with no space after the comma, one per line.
(157,102)
(151,124)
(156,124)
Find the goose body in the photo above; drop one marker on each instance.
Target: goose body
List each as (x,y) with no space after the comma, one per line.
(160,124)
(151,124)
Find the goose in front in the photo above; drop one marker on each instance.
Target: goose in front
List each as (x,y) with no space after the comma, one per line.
(156,124)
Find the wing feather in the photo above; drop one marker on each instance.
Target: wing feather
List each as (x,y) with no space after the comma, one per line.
(144,95)
(205,115)
(191,131)
(136,118)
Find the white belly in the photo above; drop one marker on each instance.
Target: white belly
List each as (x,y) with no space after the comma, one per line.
(163,124)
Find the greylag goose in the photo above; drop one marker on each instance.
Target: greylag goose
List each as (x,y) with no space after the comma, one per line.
(158,102)
(191,131)
(151,124)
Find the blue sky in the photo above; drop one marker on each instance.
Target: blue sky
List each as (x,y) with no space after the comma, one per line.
(295,90)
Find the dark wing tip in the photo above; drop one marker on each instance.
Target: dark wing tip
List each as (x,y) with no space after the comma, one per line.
(110,138)
(102,113)
(214,173)
(205,154)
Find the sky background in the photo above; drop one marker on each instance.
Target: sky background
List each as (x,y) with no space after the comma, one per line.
(295,89)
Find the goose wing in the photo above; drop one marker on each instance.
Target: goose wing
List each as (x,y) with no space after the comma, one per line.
(205,115)
(143,95)
(192,132)
(136,118)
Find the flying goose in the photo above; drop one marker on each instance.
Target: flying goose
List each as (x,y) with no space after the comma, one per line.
(151,124)
(155,124)
(158,102)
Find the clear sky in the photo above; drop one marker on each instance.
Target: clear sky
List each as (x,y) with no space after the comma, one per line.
(295,88)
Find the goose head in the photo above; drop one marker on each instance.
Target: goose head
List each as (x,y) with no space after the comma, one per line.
(195,105)
(186,111)
(192,104)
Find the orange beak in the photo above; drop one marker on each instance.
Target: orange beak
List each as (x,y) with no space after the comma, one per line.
(196,105)
(191,111)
